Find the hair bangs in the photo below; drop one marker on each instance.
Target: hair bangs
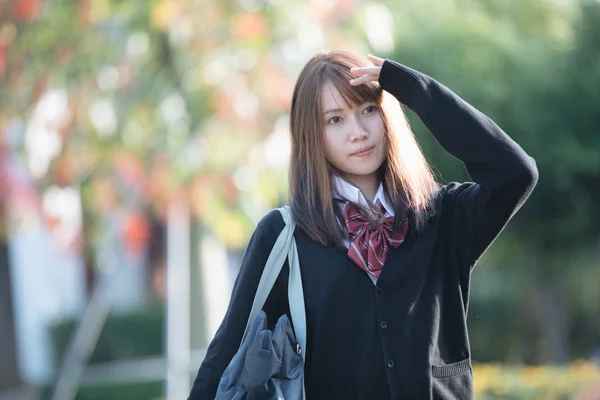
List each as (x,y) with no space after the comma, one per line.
(352,95)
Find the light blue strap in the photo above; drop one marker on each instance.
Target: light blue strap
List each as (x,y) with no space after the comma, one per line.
(295,291)
(285,246)
(271,272)
(296,298)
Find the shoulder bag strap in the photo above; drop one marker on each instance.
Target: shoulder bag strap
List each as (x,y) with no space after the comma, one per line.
(285,246)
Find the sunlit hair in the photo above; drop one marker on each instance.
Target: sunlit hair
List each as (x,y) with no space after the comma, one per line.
(406,175)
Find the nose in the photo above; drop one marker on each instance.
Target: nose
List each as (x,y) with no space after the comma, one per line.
(359,132)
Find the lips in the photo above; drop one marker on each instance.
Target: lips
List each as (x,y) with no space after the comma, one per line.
(364,151)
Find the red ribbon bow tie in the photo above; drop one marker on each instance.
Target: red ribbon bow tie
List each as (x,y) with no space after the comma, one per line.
(369,244)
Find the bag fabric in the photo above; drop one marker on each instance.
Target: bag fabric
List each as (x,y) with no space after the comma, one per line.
(270,364)
(267,366)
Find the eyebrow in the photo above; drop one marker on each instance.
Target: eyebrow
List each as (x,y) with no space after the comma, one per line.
(340,109)
(333,110)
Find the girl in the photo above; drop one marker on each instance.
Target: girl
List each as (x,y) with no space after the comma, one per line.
(386,254)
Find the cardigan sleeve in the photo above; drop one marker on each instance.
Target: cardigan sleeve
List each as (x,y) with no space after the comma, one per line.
(229,335)
(473,213)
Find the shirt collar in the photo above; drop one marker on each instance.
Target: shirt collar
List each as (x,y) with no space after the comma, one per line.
(350,192)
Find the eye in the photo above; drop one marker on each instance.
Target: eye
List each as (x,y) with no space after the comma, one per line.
(370,109)
(334,120)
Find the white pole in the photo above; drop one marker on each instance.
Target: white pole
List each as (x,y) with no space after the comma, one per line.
(84,341)
(216,287)
(178,301)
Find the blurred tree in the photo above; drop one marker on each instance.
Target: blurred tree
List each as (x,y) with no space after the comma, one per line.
(530,66)
(141,101)
(158,98)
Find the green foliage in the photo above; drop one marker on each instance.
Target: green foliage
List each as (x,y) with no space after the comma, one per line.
(531,69)
(137,391)
(131,391)
(135,334)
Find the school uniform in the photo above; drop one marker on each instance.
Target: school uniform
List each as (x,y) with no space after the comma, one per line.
(350,193)
(403,335)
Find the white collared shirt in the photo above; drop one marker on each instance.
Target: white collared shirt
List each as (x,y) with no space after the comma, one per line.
(352,193)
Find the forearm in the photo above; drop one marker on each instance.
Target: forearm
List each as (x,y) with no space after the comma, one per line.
(491,157)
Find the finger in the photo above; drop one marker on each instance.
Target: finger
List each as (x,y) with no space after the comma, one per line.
(376,60)
(365,70)
(363,79)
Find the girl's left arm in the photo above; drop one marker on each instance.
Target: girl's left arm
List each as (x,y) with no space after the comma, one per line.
(503,174)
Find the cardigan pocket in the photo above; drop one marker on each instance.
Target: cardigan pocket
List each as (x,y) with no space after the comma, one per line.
(449,370)
(452,381)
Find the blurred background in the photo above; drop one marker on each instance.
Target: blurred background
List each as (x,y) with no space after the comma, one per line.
(142,140)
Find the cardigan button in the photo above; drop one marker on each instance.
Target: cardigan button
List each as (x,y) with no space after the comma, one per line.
(383,325)
(379,289)
(390,363)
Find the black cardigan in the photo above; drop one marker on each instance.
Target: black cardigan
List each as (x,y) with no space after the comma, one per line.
(406,337)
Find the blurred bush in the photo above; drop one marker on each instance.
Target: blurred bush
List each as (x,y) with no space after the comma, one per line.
(130,391)
(579,380)
(139,333)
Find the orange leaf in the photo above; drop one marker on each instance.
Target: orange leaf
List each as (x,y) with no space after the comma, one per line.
(26,10)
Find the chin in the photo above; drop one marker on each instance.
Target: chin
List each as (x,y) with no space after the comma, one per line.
(362,171)
(368,169)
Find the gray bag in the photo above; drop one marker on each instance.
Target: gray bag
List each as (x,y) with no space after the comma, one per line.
(270,364)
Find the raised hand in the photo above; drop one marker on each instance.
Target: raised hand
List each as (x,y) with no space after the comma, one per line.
(367,74)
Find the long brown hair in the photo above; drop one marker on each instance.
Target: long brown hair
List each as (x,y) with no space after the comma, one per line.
(407,178)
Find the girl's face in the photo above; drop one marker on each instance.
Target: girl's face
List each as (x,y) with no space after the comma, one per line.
(355,141)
